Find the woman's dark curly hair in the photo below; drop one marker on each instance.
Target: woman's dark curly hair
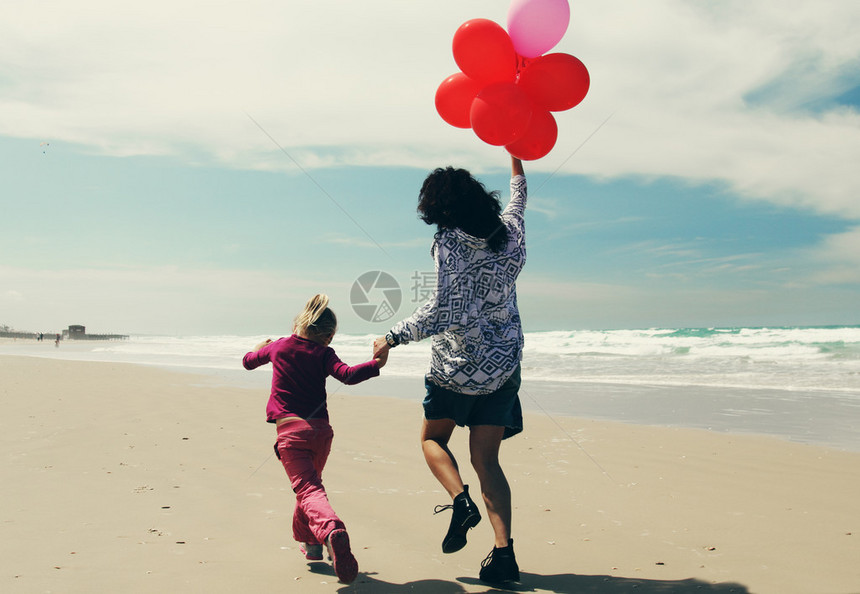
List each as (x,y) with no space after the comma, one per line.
(453,199)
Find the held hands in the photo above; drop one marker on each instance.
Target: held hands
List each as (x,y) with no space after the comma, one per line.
(381,359)
(380,350)
(380,345)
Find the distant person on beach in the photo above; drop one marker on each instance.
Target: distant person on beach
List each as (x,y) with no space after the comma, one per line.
(297,407)
(474,378)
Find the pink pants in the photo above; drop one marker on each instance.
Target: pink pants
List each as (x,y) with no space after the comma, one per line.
(303,447)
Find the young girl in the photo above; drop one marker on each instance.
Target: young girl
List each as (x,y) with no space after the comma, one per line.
(297,406)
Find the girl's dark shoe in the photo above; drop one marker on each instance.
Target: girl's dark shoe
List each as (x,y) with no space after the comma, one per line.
(465,516)
(345,565)
(500,566)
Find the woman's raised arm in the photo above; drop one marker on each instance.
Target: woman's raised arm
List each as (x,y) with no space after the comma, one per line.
(516,167)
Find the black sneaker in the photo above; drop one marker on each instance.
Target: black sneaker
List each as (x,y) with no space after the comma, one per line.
(465,516)
(500,566)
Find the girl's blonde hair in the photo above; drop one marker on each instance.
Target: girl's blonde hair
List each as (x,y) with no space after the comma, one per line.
(316,319)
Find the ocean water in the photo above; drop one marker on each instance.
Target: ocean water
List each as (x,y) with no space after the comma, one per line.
(802,383)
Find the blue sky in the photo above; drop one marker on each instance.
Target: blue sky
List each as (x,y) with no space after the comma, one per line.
(708,179)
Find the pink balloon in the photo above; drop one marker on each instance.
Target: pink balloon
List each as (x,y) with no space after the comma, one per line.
(538,140)
(500,113)
(536,26)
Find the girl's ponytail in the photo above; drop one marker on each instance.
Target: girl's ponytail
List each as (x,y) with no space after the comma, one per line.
(316,319)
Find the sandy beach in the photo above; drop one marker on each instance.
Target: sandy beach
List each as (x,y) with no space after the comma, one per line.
(122,478)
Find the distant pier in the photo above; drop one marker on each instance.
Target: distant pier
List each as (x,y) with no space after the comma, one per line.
(74,332)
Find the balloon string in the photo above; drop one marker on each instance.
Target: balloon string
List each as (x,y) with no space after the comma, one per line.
(269,457)
(317,184)
(544,238)
(522,64)
(569,157)
(569,436)
(576,150)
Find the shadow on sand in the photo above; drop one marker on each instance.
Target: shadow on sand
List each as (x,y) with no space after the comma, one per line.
(565,583)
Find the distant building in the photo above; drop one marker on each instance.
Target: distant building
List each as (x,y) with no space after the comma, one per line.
(77,332)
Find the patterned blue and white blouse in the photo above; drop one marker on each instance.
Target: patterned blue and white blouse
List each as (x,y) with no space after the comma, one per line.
(472,314)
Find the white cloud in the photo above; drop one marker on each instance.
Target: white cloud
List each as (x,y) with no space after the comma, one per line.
(546,206)
(843,247)
(343,82)
(554,304)
(838,259)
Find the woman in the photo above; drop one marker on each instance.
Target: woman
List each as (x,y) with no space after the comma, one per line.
(472,316)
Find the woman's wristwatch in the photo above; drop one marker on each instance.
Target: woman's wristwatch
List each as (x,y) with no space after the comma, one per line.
(392,340)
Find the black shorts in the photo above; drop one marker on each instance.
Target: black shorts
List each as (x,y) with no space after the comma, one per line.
(500,408)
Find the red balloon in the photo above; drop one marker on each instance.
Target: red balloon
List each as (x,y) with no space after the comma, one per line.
(538,140)
(500,113)
(484,51)
(454,99)
(555,81)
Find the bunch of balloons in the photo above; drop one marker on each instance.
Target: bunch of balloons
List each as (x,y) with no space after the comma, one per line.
(508,86)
